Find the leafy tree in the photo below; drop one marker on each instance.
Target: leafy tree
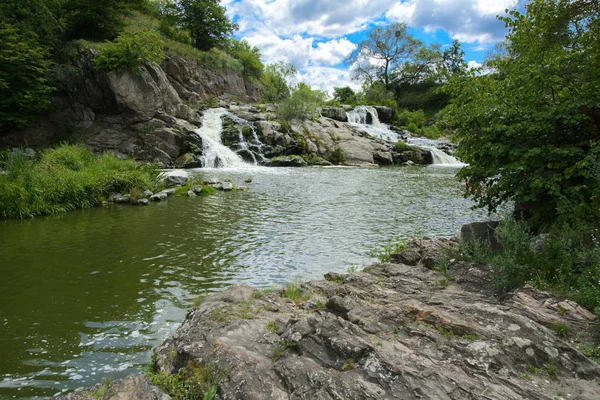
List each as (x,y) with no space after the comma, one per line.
(23,87)
(388,47)
(248,55)
(530,131)
(453,60)
(275,81)
(35,19)
(302,104)
(207,23)
(344,94)
(97,20)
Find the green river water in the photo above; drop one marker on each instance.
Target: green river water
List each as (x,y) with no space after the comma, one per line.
(85,296)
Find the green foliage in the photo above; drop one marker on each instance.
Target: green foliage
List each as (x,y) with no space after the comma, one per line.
(293,291)
(214,58)
(131,49)
(271,327)
(530,130)
(207,23)
(23,86)
(248,56)
(384,253)
(336,156)
(344,95)
(37,20)
(390,46)
(302,104)
(96,20)
(191,383)
(568,261)
(65,178)
(275,79)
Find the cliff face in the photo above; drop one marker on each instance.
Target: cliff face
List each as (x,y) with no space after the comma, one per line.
(148,115)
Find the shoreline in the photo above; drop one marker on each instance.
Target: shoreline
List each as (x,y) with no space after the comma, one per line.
(391,331)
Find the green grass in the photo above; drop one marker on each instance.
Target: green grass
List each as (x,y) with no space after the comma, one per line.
(562,330)
(283,347)
(384,252)
(271,327)
(349,364)
(294,292)
(66,178)
(192,382)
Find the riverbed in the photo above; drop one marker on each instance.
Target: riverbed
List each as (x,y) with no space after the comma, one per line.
(86,295)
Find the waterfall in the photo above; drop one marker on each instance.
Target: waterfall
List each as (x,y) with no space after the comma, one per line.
(247,150)
(365,118)
(438,156)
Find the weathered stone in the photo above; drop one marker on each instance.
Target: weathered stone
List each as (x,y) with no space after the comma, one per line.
(191,193)
(335,113)
(159,196)
(394,332)
(385,114)
(408,256)
(483,232)
(120,198)
(133,387)
(142,202)
(287,161)
(227,186)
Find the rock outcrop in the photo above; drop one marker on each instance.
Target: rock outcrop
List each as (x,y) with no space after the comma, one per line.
(432,330)
(322,140)
(149,115)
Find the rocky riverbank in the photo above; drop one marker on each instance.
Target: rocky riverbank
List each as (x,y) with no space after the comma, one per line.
(152,116)
(421,327)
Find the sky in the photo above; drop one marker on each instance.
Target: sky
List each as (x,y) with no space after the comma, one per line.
(318,35)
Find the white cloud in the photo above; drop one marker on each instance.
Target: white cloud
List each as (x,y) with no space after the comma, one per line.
(328,19)
(469,21)
(332,52)
(474,64)
(327,78)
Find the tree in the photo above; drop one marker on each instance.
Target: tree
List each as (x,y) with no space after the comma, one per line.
(344,94)
(530,131)
(453,60)
(385,49)
(97,20)
(275,80)
(35,19)
(248,55)
(23,87)
(207,23)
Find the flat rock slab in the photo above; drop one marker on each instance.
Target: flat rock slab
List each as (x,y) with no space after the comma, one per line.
(392,331)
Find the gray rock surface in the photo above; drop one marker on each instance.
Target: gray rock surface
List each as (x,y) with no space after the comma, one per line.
(339,114)
(394,332)
(133,387)
(391,331)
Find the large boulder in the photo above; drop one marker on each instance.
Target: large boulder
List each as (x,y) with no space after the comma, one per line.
(385,114)
(339,114)
(482,232)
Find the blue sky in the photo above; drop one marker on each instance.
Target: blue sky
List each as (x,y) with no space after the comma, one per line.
(317,35)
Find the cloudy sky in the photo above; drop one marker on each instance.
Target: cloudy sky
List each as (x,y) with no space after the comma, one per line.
(317,35)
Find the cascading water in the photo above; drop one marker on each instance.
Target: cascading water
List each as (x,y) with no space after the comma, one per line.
(438,156)
(365,118)
(216,154)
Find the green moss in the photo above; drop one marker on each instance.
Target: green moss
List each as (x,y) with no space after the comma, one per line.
(349,364)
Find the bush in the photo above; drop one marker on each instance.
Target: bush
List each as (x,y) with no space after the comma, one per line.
(567,262)
(130,49)
(302,104)
(66,178)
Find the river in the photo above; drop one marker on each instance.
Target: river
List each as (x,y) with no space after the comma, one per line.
(86,295)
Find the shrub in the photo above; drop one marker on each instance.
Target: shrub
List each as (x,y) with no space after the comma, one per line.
(302,104)
(131,49)
(66,178)
(568,261)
